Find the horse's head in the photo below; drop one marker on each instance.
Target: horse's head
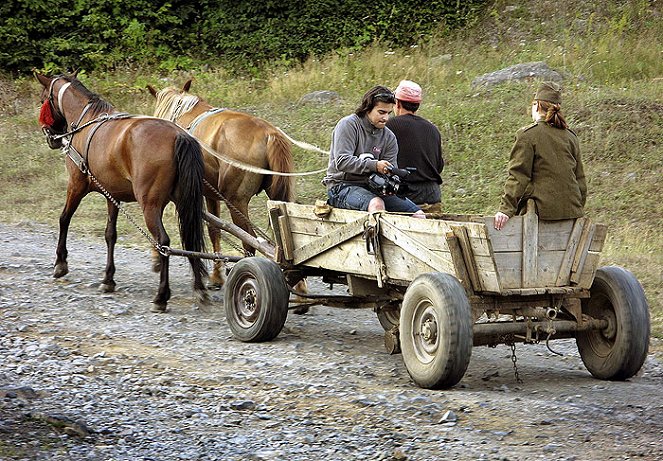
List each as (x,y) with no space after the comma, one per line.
(51,118)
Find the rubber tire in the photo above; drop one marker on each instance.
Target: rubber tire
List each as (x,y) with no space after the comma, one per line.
(256,300)
(442,362)
(618,352)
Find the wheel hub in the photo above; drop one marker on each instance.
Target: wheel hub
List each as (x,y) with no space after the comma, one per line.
(247,307)
(429,331)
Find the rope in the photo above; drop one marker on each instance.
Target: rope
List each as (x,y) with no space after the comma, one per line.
(251,168)
(171,105)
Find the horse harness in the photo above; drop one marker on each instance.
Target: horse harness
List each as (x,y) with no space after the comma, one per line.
(79,160)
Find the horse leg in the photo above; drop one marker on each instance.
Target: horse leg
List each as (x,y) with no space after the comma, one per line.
(108,283)
(301,287)
(75,193)
(153,220)
(156,260)
(217,278)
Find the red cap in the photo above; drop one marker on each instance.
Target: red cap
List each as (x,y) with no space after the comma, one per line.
(408,91)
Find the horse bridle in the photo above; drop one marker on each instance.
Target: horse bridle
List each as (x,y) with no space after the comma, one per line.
(64,140)
(51,137)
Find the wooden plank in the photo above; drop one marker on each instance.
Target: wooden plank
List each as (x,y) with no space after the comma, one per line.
(589,270)
(297,210)
(530,267)
(509,268)
(274,213)
(509,239)
(324,243)
(600,233)
(540,291)
(581,254)
(468,256)
(459,262)
(286,238)
(578,231)
(554,235)
(415,248)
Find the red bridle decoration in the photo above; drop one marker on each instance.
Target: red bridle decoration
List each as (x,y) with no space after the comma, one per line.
(46,118)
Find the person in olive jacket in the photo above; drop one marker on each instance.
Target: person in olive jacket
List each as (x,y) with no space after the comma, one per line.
(545,164)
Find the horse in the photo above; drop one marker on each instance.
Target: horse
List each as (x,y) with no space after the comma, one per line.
(127,159)
(237,136)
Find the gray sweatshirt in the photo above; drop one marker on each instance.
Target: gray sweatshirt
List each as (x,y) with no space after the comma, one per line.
(355,150)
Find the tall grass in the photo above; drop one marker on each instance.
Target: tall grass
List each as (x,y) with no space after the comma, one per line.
(611,54)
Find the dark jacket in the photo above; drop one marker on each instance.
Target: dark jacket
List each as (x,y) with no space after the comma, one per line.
(545,165)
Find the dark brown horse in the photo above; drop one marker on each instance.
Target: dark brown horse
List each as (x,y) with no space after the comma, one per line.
(127,159)
(237,136)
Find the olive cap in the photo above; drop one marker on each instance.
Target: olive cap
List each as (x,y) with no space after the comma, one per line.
(549,91)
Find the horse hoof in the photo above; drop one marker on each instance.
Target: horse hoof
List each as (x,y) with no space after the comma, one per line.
(215,284)
(300,310)
(159,308)
(107,287)
(60,270)
(202,297)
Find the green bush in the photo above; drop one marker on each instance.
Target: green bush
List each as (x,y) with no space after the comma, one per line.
(103,34)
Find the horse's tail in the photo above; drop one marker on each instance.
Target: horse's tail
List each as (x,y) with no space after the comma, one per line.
(279,158)
(189,196)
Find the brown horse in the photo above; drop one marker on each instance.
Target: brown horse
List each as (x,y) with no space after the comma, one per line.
(127,159)
(233,135)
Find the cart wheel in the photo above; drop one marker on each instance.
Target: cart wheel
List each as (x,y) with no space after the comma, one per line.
(617,352)
(256,300)
(436,330)
(389,316)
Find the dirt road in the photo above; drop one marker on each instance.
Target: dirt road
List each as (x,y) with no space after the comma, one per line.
(90,376)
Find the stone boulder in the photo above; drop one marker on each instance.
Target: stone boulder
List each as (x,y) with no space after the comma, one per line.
(321,97)
(527,71)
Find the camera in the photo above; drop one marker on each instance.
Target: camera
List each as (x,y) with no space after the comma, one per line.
(390,183)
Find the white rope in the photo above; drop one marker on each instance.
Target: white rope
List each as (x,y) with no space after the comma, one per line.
(171,105)
(251,168)
(302,144)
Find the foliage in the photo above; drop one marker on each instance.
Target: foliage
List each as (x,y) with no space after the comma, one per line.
(103,34)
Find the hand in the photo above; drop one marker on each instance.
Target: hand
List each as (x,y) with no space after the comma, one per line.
(500,220)
(383,166)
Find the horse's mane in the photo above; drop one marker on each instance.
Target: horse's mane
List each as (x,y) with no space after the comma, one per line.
(171,104)
(97,105)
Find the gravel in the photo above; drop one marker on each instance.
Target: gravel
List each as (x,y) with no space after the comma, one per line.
(92,376)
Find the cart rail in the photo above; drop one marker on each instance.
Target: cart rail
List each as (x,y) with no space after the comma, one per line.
(528,257)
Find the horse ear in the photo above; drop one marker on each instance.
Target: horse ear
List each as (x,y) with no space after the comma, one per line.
(152,90)
(187,86)
(75,73)
(44,80)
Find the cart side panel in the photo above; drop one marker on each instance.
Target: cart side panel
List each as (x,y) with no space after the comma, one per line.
(567,252)
(432,233)
(409,247)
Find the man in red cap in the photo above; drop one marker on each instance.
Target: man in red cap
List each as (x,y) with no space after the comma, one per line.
(419,146)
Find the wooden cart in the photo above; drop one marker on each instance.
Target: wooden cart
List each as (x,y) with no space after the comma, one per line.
(441,286)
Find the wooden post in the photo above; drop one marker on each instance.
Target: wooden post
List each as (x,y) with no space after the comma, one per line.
(468,255)
(571,247)
(530,267)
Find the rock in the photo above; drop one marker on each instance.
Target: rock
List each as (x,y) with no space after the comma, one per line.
(448,417)
(321,97)
(520,72)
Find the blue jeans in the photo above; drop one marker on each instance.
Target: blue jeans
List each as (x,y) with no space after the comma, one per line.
(353,197)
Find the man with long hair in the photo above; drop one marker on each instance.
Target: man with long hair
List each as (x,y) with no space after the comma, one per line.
(362,145)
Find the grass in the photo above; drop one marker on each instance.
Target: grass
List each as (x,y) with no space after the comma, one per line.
(611,54)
